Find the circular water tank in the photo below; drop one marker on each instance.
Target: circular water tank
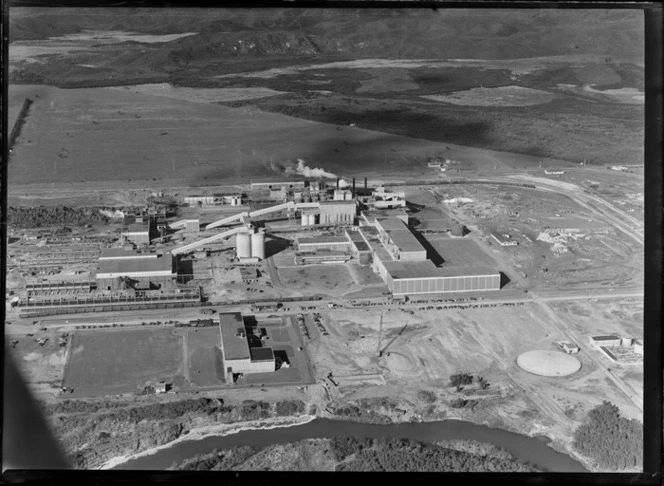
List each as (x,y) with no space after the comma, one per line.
(305,219)
(258,245)
(312,219)
(548,363)
(243,245)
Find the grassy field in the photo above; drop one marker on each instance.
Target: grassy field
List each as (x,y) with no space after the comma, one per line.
(99,134)
(204,359)
(113,362)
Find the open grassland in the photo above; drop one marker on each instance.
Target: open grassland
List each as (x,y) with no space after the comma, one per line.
(204,358)
(502,96)
(113,362)
(114,135)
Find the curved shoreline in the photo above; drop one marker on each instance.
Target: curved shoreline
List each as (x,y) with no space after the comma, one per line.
(219,430)
(207,433)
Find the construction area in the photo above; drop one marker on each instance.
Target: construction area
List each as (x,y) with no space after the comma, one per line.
(340,291)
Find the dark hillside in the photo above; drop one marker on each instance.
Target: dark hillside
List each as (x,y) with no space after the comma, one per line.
(393,33)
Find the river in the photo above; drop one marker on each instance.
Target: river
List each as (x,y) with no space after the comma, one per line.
(524,448)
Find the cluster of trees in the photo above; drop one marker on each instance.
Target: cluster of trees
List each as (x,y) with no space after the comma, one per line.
(289,407)
(426,396)
(407,456)
(615,442)
(342,447)
(218,460)
(462,379)
(461,403)
(19,217)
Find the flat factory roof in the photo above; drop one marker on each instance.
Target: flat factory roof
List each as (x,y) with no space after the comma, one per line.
(136,228)
(391,224)
(115,253)
(234,346)
(358,241)
(321,239)
(372,215)
(145,264)
(405,241)
(604,338)
(261,354)
(426,269)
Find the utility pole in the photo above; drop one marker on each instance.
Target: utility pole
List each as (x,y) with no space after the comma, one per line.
(380,335)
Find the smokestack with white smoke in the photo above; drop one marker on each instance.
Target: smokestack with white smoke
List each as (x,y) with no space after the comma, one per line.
(306,171)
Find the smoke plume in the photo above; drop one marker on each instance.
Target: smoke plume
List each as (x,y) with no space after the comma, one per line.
(307,171)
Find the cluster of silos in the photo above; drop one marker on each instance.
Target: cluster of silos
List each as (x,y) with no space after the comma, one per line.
(250,244)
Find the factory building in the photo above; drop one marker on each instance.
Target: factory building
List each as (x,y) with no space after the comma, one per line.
(382,199)
(199,200)
(192,225)
(337,212)
(400,260)
(359,248)
(598,341)
(117,267)
(325,242)
(425,278)
(239,357)
(310,217)
(369,217)
(137,233)
(342,195)
(325,257)
(277,185)
(399,241)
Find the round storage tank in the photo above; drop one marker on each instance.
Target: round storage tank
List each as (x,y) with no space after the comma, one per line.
(305,219)
(258,245)
(243,241)
(548,363)
(312,219)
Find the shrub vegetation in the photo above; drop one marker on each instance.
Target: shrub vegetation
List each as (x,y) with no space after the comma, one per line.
(613,441)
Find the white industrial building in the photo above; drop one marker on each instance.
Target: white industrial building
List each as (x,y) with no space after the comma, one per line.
(238,357)
(250,245)
(136,233)
(146,270)
(401,261)
(196,200)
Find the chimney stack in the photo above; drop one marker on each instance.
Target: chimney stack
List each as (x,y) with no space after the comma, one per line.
(353,186)
(365,183)
(337,183)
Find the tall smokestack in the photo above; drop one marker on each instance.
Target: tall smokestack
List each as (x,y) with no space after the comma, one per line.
(353,186)
(365,183)
(337,183)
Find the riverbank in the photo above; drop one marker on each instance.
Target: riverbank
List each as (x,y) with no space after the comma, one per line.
(220,430)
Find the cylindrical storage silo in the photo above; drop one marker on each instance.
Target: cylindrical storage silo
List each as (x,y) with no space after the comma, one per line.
(312,219)
(243,241)
(258,245)
(305,219)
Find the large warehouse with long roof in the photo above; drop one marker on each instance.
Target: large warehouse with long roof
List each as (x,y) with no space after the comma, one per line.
(401,261)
